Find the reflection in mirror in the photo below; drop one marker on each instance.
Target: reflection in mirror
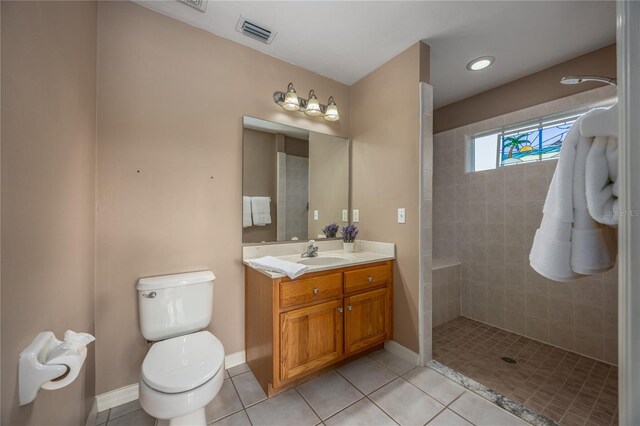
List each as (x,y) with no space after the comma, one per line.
(294,182)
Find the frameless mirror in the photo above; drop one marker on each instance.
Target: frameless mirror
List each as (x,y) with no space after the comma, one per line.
(294,182)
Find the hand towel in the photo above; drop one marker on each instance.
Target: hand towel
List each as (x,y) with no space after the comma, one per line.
(261,210)
(569,243)
(246,212)
(270,263)
(602,180)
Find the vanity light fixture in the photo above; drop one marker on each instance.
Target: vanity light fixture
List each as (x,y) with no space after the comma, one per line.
(331,113)
(481,63)
(311,107)
(291,102)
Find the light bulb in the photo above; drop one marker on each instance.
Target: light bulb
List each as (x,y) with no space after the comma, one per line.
(313,106)
(331,114)
(291,102)
(481,63)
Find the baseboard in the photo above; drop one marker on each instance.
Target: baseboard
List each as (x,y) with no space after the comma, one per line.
(400,351)
(130,393)
(117,397)
(234,359)
(93,413)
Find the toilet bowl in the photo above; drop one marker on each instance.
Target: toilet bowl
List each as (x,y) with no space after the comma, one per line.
(180,376)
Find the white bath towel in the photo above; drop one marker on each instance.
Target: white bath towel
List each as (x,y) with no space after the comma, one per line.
(569,243)
(602,180)
(270,263)
(246,212)
(261,210)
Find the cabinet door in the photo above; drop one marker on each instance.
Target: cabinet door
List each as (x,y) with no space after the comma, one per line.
(311,338)
(366,321)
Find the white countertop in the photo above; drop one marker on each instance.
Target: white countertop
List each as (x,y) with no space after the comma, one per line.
(366,252)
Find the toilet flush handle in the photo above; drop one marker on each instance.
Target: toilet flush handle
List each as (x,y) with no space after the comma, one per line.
(150,295)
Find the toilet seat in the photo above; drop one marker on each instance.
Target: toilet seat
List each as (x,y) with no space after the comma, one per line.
(182,363)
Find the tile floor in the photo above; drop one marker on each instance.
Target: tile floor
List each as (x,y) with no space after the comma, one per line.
(562,385)
(378,389)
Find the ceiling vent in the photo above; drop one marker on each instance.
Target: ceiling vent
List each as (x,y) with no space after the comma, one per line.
(255,31)
(201,5)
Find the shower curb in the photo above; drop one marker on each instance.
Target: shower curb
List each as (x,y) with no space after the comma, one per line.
(507,404)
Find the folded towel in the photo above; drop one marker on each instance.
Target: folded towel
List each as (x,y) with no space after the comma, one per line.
(569,243)
(602,180)
(246,212)
(270,263)
(261,210)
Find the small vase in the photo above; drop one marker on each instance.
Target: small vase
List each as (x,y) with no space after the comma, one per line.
(348,247)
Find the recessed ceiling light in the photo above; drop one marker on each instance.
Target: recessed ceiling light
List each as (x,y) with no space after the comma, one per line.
(480,63)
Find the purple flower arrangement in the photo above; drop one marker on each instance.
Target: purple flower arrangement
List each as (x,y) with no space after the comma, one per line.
(349,233)
(331,230)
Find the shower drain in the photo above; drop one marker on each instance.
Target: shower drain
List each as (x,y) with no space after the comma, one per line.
(509,360)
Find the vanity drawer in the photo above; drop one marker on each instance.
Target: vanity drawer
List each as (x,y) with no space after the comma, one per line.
(309,290)
(366,278)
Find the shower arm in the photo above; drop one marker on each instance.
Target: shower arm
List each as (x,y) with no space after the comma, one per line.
(577,79)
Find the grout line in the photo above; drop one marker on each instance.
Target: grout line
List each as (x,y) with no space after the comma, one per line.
(229,415)
(353,403)
(307,402)
(382,409)
(599,393)
(375,390)
(238,393)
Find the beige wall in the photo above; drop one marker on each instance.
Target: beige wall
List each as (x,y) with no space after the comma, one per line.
(48,196)
(488,219)
(259,180)
(534,89)
(170,104)
(328,181)
(386,172)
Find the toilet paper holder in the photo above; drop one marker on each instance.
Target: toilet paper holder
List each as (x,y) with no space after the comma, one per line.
(49,363)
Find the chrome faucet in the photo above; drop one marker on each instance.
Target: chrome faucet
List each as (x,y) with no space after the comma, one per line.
(312,250)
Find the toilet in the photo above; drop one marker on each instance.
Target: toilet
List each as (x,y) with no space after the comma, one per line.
(184,369)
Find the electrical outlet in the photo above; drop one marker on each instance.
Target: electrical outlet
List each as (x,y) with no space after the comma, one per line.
(356,215)
(345,215)
(315,215)
(402,216)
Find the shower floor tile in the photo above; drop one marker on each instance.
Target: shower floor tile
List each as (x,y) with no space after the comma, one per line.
(566,387)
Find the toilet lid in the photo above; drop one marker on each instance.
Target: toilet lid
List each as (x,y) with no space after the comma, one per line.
(182,363)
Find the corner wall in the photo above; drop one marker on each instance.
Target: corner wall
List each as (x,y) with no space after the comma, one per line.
(385,134)
(48,195)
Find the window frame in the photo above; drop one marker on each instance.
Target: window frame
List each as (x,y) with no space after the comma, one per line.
(529,125)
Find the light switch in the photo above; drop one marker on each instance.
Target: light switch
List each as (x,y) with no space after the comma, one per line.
(345,215)
(356,215)
(402,217)
(315,215)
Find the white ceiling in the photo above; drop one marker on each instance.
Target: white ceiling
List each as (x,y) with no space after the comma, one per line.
(347,40)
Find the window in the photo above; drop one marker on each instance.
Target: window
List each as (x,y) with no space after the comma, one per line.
(535,141)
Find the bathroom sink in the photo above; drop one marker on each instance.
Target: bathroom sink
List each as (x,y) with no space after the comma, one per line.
(323,261)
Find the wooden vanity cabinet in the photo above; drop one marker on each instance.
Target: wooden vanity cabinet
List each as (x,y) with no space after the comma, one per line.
(297,328)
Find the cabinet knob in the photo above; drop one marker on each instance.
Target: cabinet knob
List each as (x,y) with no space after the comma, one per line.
(370,279)
(316,291)
(349,307)
(340,309)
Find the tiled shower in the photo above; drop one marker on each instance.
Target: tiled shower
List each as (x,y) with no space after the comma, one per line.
(483,228)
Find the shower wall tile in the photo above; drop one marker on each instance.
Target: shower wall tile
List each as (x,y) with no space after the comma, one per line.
(446,294)
(487,220)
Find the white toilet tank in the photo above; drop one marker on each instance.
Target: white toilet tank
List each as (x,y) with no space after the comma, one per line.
(173,305)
